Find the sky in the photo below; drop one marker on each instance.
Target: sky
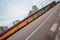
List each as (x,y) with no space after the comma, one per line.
(11,10)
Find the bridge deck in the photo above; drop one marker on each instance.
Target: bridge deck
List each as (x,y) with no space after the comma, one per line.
(38,29)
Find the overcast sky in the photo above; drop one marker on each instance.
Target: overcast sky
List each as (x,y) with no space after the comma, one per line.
(11,10)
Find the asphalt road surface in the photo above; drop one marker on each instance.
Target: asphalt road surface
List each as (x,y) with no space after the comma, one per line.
(37,29)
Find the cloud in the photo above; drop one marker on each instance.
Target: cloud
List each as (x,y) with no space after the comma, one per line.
(11,10)
(14,10)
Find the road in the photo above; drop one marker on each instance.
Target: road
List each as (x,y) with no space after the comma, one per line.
(38,29)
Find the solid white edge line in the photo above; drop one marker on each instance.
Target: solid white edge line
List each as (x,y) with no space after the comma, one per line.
(38,27)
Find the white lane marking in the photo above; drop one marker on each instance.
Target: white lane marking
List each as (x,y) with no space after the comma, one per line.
(38,27)
(54,26)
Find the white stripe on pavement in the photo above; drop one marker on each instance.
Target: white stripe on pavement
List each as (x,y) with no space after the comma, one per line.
(38,27)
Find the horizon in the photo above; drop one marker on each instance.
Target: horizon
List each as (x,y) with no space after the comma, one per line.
(11,10)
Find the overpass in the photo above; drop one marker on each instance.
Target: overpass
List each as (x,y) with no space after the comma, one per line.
(37,26)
